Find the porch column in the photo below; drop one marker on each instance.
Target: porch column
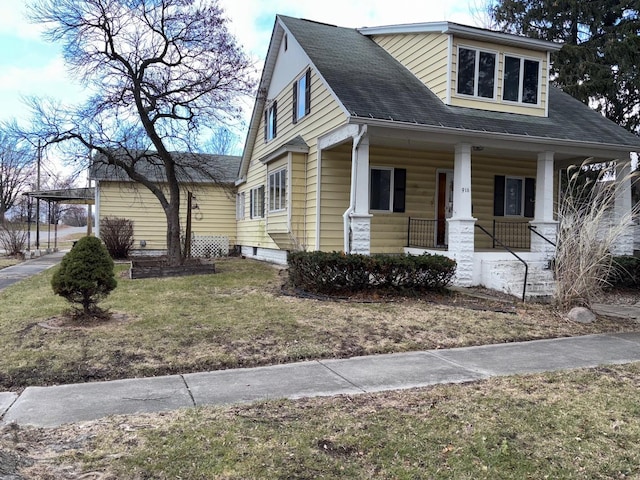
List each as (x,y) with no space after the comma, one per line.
(622,210)
(543,221)
(358,236)
(461,224)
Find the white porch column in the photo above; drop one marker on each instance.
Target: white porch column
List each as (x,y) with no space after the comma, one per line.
(543,221)
(622,209)
(358,234)
(461,224)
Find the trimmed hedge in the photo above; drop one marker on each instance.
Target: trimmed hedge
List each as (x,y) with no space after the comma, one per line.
(625,272)
(331,273)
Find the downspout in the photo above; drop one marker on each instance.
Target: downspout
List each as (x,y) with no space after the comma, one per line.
(346,216)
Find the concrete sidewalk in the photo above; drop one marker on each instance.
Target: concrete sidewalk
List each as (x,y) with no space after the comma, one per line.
(52,406)
(28,268)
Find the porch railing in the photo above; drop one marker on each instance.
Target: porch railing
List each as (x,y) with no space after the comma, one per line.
(422,233)
(511,234)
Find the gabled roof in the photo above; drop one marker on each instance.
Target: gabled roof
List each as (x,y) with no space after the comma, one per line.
(373,87)
(195,168)
(370,83)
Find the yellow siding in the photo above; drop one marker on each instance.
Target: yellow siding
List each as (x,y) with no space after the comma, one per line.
(498,105)
(334,197)
(298,198)
(482,184)
(326,115)
(215,214)
(425,55)
(389,230)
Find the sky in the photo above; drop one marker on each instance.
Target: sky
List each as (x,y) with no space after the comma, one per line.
(30,66)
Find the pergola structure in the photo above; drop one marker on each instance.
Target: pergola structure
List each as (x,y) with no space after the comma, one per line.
(69,196)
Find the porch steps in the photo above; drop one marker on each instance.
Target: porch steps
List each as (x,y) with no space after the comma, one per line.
(508,276)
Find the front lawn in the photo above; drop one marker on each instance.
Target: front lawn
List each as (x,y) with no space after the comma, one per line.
(239,317)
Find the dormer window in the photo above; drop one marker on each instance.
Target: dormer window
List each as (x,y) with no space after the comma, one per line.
(521,80)
(476,72)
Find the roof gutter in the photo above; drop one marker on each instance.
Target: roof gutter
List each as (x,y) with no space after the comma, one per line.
(482,134)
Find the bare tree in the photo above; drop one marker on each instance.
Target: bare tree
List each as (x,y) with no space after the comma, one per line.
(222,142)
(16,166)
(162,71)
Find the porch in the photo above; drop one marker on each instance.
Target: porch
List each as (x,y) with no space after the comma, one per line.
(393,192)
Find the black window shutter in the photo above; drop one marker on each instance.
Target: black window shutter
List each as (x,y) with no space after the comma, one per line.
(498,196)
(529,197)
(275,117)
(399,189)
(307,92)
(266,125)
(295,102)
(262,201)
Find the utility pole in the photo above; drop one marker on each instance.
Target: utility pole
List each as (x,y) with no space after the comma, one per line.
(38,201)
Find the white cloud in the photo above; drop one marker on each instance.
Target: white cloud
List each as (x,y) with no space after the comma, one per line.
(13,20)
(252,20)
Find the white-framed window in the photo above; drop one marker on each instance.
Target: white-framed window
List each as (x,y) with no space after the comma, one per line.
(476,73)
(521,80)
(514,196)
(270,122)
(278,190)
(240,205)
(387,188)
(302,96)
(257,202)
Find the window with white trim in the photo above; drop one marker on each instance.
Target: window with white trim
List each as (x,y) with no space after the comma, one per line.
(387,188)
(278,190)
(476,73)
(240,204)
(256,200)
(302,96)
(270,122)
(521,80)
(514,196)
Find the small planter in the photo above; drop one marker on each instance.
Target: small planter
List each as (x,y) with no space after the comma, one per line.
(157,267)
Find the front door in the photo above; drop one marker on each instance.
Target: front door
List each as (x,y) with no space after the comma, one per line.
(444,205)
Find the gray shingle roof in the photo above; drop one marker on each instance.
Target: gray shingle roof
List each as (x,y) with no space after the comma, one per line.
(198,168)
(370,83)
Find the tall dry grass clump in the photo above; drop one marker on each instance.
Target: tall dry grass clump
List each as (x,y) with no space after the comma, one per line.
(590,227)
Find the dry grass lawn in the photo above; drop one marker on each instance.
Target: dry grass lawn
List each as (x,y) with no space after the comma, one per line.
(240,317)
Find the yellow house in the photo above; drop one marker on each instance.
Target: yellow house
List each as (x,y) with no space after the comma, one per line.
(430,137)
(212,191)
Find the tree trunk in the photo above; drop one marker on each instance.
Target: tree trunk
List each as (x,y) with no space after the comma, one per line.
(174,250)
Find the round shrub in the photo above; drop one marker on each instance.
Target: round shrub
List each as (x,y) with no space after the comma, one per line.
(86,275)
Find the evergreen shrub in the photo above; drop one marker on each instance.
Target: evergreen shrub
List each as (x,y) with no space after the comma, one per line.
(86,275)
(625,272)
(332,273)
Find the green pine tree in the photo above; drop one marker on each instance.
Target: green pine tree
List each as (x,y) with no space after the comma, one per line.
(86,275)
(599,63)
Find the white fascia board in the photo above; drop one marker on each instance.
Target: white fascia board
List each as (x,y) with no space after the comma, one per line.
(464,31)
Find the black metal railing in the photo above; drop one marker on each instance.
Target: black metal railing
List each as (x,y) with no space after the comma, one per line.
(511,234)
(534,230)
(526,266)
(423,233)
